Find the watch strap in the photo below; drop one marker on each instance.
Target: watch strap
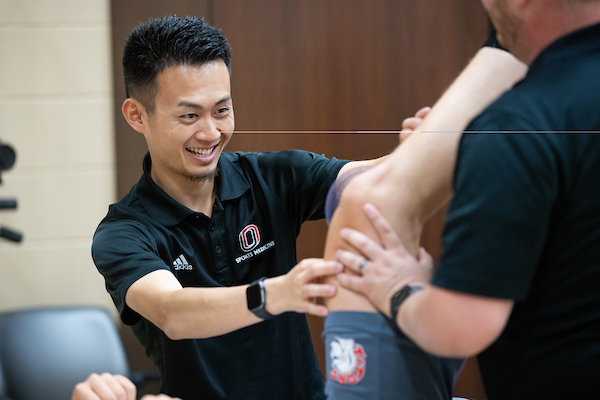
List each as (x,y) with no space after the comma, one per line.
(258,309)
(399,297)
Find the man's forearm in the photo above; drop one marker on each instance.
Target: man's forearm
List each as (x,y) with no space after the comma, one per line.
(202,312)
(186,313)
(453,324)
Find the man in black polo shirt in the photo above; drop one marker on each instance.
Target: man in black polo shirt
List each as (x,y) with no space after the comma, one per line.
(203,247)
(179,250)
(517,282)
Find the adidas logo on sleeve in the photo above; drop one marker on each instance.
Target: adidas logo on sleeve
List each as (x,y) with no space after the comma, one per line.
(181,264)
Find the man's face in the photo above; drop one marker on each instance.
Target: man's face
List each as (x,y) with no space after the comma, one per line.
(505,20)
(191,123)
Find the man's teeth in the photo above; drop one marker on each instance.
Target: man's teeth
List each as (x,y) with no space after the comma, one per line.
(201,152)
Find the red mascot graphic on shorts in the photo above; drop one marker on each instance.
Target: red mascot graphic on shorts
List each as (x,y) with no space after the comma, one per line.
(348,361)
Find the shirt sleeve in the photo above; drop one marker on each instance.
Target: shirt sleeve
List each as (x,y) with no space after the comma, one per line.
(300,179)
(505,187)
(124,251)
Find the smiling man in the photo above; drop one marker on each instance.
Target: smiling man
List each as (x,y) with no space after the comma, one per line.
(200,256)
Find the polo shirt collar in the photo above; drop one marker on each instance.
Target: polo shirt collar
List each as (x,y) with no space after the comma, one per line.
(572,45)
(231,184)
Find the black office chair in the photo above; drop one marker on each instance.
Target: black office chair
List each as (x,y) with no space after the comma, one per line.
(44,352)
(3,395)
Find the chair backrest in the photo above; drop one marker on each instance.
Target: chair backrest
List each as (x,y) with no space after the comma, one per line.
(46,351)
(2,388)
(3,394)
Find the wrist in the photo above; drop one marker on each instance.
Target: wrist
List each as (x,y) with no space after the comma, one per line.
(256,299)
(273,303)
(399,297)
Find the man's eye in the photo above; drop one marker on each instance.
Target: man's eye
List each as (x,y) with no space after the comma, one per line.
(189,116)
(223,110)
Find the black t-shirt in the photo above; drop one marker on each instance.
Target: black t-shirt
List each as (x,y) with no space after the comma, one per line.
(262,200)
(525,225)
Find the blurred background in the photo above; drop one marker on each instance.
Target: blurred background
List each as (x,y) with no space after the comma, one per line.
(298,65)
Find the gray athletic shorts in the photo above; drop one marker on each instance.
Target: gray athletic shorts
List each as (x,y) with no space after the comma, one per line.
(368,357)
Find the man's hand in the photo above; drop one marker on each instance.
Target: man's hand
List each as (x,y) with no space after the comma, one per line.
(298,289)
(105,387)
(389,266)
(110,387)
(411,123)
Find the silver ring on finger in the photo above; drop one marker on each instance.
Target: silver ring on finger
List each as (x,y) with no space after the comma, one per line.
(362,264)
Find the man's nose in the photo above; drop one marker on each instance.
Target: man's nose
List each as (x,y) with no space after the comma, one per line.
(207,130)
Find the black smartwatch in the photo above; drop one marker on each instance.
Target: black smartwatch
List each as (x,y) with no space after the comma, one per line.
(399,297)
(257,299)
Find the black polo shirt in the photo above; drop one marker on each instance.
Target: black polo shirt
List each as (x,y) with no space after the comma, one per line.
(262,200)
(524,224)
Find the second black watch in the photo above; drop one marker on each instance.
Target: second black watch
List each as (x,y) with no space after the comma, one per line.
(257,299)
(399,297)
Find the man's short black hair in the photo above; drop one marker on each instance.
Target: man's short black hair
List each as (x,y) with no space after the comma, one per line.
(165,42)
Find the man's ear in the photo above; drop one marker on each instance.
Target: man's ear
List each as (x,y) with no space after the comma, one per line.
(133,111)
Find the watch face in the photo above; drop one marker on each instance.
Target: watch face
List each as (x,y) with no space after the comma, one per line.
(254,296)
(403,294)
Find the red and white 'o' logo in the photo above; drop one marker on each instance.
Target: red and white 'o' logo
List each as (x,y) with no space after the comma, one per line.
(249,237)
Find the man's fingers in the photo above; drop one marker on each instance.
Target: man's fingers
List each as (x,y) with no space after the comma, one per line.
(411,123)
(320,268)
(362,243)
(349,259)
(127,385)
(318,290)
(105,386)
(316,309)
(404,133)
(82,391)
(386,234)
(422,113)
(352,282)
(114,386)
(100,386)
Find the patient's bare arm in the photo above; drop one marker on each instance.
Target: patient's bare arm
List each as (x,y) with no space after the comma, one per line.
(416,180)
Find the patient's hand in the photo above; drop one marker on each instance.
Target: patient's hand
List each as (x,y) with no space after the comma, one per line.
(110,387)
(411,123)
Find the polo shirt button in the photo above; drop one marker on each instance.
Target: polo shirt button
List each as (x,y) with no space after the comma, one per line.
(218,249)
(212,228)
